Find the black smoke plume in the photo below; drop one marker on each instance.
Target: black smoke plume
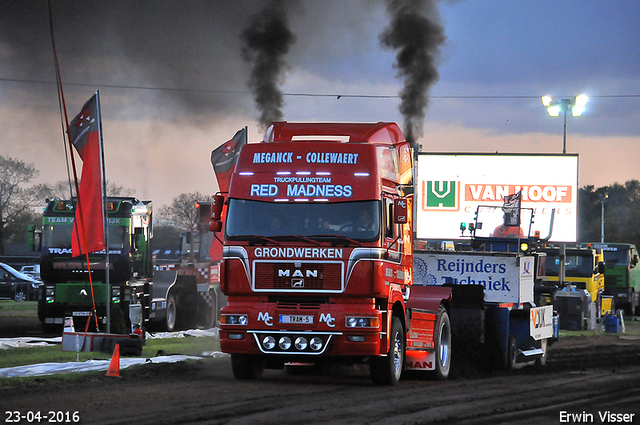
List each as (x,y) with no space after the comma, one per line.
(415,32)
(265,42)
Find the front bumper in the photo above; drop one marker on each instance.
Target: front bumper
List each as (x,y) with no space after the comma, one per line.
(264,332)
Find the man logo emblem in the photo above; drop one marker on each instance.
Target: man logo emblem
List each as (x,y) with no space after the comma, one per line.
(297,283)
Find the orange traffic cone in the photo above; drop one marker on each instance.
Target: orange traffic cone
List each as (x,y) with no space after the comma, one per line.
(114,366)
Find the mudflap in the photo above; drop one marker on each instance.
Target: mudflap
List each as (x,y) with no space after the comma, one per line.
(188,300)
(420,360)
(497,337)
(207,308)
(468,323)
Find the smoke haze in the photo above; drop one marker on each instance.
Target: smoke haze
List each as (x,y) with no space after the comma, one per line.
(416,34)
(175,81)
(265,42)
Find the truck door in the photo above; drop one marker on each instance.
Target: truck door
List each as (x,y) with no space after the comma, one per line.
(392,233)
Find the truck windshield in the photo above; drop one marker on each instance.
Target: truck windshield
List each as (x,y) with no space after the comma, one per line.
(59,236)
(616,257)
(575,265)
(359,220)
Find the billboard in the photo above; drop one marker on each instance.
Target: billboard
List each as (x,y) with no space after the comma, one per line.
(451,186)
(504,280)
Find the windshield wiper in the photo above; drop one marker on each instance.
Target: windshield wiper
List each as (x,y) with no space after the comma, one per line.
(262,238)
(343,238)
(302,238)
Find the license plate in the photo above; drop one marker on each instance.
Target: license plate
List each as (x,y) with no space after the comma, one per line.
(294,318)
(81,313)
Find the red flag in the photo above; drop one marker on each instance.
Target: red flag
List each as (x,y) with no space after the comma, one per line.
(88,226)
(224,158)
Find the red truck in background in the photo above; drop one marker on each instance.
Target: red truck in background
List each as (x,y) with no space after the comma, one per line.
(318,258)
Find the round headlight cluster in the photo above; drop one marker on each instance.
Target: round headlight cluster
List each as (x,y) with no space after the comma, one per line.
(291,344)
(316,344)
(269,342)
(301,343)
(285,343)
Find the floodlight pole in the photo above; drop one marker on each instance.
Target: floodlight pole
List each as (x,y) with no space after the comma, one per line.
(555,106)
(564,137)
(603,198)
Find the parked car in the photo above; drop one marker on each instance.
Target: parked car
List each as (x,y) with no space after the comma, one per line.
(32,270)
(15,285)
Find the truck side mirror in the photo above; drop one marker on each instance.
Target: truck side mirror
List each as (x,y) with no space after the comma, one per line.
(400,211)
(217,203)
(601,267)
(34,238)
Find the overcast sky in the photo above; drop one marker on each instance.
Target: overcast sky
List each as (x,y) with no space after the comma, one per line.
(173,80)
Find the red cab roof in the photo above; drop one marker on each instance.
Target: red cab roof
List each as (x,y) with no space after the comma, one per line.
(381,132)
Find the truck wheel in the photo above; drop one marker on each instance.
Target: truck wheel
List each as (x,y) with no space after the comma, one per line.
(172,313)
(246,367)
(512,353)
(19,296)
(442,343)
(387,370)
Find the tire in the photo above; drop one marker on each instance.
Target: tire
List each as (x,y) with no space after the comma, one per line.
(442,343)
(512,353)
(172,314)
(246,367)
(20,296)
(388,369)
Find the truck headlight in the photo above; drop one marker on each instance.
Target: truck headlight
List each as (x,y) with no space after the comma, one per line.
(285,343)
(315,344)
(301,343)
(50,292)
(234,319)
(115,295)
(362,322)
(269,342)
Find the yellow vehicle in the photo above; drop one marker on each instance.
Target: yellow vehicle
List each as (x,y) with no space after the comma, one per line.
(584,268)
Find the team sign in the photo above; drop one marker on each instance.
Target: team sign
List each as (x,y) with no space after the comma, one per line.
(301,186)
(310,158)
(69,220)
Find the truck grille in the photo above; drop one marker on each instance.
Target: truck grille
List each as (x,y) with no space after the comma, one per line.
(301,277)
(612,280)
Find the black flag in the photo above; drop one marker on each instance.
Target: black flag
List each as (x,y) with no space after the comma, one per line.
(511,209)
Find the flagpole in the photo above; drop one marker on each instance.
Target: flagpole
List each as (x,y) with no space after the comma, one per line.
(104,214)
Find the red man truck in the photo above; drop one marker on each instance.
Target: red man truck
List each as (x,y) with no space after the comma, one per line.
(318,255)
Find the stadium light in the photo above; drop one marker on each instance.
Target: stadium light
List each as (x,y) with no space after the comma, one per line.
(575,105)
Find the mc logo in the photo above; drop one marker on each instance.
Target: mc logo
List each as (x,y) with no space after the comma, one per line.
(440,195)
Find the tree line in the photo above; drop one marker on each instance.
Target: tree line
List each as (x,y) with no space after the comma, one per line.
(621,213)
(21,205)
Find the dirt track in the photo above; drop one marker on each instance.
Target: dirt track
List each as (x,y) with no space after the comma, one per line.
(584,375)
